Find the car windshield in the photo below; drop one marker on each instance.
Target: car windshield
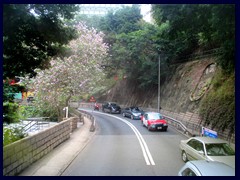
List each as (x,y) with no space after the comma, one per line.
(113,104)
(155,116)
(135,109)
(222,149)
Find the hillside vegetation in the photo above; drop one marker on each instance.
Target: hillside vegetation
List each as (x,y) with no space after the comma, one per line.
(218,106)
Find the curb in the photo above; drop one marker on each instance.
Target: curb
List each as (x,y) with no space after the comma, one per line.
(93,126)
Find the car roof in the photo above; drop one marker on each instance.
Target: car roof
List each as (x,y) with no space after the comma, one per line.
(109,102)
(208,140)
(149,112)
(212,168)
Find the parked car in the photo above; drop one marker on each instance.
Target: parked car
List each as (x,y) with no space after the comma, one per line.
(206,148)
(111,107)
(154,121)
(133,112)
(206,168)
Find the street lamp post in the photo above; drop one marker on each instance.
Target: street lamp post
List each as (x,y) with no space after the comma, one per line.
(159,83)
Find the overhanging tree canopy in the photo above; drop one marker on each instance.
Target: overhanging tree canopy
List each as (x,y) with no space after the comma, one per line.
(32,33)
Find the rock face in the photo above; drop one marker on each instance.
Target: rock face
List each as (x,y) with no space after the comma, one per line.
(180,92)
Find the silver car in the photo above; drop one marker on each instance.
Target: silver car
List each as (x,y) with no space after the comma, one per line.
(206,168)
(206,148)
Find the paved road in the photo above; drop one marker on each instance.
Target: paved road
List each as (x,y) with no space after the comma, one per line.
(123,147)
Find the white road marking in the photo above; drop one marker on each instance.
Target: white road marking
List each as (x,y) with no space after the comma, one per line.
(146,153)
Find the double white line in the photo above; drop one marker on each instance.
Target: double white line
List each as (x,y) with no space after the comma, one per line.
(146,153)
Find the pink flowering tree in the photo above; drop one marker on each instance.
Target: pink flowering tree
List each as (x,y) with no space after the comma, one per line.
(77,74)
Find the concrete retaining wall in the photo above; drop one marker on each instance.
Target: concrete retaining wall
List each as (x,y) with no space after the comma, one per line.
(21,154)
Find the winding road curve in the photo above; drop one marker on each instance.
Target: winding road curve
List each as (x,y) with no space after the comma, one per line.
(123,147)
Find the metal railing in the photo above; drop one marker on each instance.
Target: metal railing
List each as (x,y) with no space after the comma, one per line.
(178,125)
(90,116)
(35,123)
(29,126)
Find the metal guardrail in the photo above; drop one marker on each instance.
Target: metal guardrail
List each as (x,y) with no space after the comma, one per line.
(90,116)
(178,125)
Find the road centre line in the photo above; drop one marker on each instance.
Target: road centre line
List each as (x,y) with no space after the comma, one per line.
(146,153)
(139,136)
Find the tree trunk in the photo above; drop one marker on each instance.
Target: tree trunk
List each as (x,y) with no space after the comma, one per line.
(60,114)
(67,100)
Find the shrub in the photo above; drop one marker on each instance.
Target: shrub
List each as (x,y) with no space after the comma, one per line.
(218,106)
(10,112)
(28,111)
(12,133)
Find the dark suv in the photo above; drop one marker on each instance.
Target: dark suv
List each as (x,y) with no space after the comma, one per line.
(111,107)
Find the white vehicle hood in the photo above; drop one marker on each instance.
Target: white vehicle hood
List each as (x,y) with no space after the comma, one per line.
(229,160)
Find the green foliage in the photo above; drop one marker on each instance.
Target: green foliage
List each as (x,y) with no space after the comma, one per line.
(136,54)
(8,92)
(194,26)
(135,50)
(12,133)
(10,112)
(44,108)
(32,33)
(124,20)
(131,40)
(27,111)
(218,106)
(180,37)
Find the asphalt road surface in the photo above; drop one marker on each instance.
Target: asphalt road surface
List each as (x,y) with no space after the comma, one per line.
(123,147)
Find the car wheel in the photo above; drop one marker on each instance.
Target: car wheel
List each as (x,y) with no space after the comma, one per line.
(123,114)
(184,156)
(132,117)
(149,129)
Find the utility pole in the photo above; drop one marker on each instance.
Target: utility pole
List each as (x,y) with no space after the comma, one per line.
(159,83)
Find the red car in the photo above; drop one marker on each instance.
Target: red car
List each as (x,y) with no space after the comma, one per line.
(154,121)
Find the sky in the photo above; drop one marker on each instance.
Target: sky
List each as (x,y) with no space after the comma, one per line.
(145,8)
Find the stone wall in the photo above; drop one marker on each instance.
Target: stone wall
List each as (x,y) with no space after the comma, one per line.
(21,154)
